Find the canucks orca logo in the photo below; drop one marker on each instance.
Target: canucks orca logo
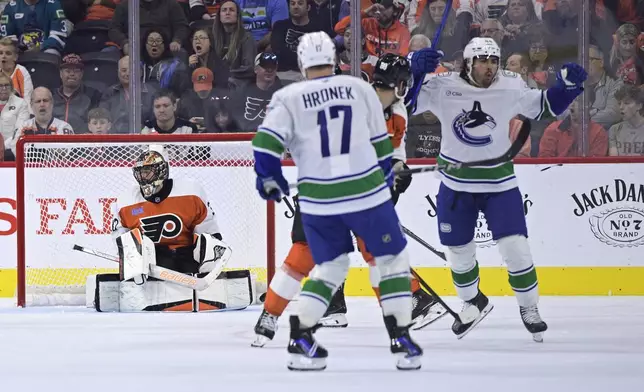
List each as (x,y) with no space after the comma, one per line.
(472,120)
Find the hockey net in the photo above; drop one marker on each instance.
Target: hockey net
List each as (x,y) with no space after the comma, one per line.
(66,186)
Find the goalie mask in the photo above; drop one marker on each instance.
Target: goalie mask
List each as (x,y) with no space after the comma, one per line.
(393,72)
(150,171)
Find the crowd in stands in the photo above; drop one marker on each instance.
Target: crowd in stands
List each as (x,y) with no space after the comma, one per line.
(212,66)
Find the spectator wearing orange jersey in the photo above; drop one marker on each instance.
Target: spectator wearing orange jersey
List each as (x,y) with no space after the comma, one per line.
(368,61)
(563,138)
(383,31)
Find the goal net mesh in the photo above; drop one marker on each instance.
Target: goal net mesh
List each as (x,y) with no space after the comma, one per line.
(69,190)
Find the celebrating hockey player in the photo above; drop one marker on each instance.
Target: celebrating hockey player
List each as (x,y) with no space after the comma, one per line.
(169,223)
(335,131)
(392,78)
(475,108)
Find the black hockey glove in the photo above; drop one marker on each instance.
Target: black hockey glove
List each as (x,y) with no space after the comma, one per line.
(401,182)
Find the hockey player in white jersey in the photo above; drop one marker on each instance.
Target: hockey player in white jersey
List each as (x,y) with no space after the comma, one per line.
(475,108)
(336,133)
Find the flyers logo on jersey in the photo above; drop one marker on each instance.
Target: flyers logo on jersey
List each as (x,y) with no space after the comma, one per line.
(161,226)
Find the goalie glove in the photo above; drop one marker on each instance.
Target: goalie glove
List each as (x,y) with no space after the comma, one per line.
(401,182)
(211,253)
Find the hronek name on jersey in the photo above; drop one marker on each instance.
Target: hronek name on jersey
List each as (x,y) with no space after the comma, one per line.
(621,222)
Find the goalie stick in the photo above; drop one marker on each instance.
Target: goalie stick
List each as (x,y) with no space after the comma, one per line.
(468,315)
(165,274)
(509,155)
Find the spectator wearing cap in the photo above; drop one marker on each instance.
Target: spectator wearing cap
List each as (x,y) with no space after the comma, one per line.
(286,36)
(72,100)
(383,30)
(249,102)
(627,137)
(195,104)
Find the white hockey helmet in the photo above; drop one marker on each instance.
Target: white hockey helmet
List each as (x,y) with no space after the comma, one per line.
(479,47)
(315,49)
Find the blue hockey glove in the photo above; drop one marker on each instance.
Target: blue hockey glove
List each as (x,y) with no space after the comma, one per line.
(272,188)
(572,76)
(424,61)
(569,85)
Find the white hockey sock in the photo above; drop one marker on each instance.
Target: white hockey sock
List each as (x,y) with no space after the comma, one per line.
(465,270)
(285,285)
(319,289)
(522,275)
(395,287)
(374,275)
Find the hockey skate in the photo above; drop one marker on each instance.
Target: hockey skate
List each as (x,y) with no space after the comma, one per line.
(426,310)
(336,314)
(265,329)
(403,346)
(533,323)
(482,303)
(306,353)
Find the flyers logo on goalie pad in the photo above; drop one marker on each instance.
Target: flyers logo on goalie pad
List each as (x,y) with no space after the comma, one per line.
(161,226)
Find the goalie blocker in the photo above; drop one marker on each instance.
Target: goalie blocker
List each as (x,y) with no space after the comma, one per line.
(144,286)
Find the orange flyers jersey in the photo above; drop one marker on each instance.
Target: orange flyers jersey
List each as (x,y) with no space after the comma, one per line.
(172,221)
(396,118)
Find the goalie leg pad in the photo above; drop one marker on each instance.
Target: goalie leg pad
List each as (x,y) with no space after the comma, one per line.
(318,291)
(395,287)
(136,252)
(465,270)
(522,275)
(232,290)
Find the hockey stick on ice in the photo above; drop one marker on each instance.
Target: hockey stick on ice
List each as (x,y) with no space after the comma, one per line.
(168,275)
(468,315)
(509,155)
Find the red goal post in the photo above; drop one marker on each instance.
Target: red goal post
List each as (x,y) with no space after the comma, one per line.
(67,184)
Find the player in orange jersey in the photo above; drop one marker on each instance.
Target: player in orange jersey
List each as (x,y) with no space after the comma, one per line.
(391,80)
(168,222)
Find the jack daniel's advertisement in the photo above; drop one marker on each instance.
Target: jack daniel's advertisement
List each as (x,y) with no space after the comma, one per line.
(615,212)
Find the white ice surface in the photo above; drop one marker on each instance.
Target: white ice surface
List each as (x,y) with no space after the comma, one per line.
(593,344)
